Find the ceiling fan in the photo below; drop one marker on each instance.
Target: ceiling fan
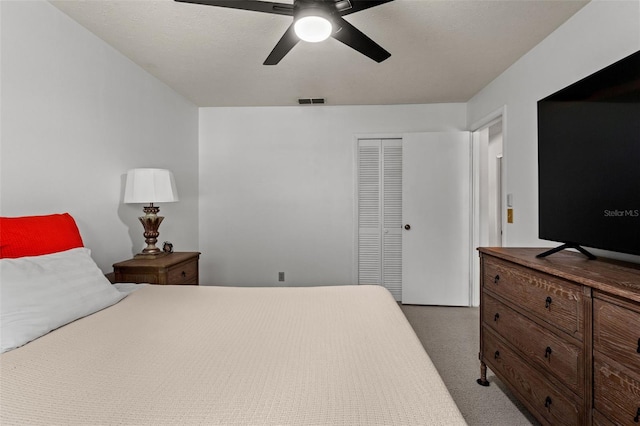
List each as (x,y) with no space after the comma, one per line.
(313,20)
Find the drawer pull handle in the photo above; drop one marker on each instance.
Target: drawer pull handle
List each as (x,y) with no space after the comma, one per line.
(184,274)
(547,403)
(547,352)
(637,417)
(547,303)
(639,346)
(496,355)
(496,279)
(496,317)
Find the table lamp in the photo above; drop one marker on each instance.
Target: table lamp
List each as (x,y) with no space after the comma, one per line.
(150,186)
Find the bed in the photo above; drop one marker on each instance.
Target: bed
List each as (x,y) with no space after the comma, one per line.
(338,355)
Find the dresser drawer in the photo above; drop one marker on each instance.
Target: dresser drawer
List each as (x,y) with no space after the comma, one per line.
(552,299)
(184,273)
(616,392)
(599,419)
(540,346)
(554,405)
(616,332)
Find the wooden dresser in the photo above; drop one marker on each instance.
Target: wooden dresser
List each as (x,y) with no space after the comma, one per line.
(563,333)
(171,269)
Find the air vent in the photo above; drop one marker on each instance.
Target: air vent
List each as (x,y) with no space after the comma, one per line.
(309,101)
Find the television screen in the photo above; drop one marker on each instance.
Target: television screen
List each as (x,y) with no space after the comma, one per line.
(589,160)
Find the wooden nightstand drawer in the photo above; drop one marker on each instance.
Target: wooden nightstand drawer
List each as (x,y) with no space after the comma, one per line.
(172,269)
(554,300)
(184,273)
(550,352)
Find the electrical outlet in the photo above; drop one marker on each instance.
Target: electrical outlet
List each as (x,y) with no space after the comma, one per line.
(280,276)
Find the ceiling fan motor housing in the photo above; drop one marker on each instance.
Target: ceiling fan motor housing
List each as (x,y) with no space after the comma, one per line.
(304,8)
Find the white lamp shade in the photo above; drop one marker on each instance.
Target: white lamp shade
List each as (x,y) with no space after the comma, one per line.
(150,186)
(313,28)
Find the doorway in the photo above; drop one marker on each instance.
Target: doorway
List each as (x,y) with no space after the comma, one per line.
(489,200)
(490,175)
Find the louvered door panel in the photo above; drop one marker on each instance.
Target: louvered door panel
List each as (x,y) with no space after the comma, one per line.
(392,264)
(369,249)
(369,186)
(369,258)
(392,216)
(380,213)
(392,184)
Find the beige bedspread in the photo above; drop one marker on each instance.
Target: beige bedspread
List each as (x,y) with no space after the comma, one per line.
(179,355)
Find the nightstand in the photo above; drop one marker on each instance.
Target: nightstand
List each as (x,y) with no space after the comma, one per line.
(173,268)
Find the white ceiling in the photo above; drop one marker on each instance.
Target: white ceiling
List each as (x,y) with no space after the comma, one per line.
(442,50)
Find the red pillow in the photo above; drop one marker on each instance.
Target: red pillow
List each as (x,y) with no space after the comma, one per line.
(38,235)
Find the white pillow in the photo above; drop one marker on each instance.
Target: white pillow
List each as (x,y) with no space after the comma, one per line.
(41,293)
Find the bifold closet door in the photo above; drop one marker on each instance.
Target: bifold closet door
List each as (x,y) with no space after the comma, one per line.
(380,213)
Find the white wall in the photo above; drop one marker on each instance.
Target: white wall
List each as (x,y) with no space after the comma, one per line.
(277,187)
(276,184)
(76,115)
(599,34)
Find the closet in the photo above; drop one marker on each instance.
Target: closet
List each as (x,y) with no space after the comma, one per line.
(414,216)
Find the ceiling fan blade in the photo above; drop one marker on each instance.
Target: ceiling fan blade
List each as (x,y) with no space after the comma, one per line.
(356,39)
(346,7)
(286,43)
(254,5)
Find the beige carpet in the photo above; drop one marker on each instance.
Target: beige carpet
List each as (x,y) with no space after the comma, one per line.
(451,338)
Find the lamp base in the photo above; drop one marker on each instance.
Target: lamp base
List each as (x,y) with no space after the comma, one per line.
(151,223)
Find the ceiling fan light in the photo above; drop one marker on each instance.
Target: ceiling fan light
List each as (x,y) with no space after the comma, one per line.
(313,28)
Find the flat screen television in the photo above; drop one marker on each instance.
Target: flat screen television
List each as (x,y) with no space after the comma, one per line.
(589,162)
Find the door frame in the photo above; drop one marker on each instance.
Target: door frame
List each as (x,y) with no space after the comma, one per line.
(475,128)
